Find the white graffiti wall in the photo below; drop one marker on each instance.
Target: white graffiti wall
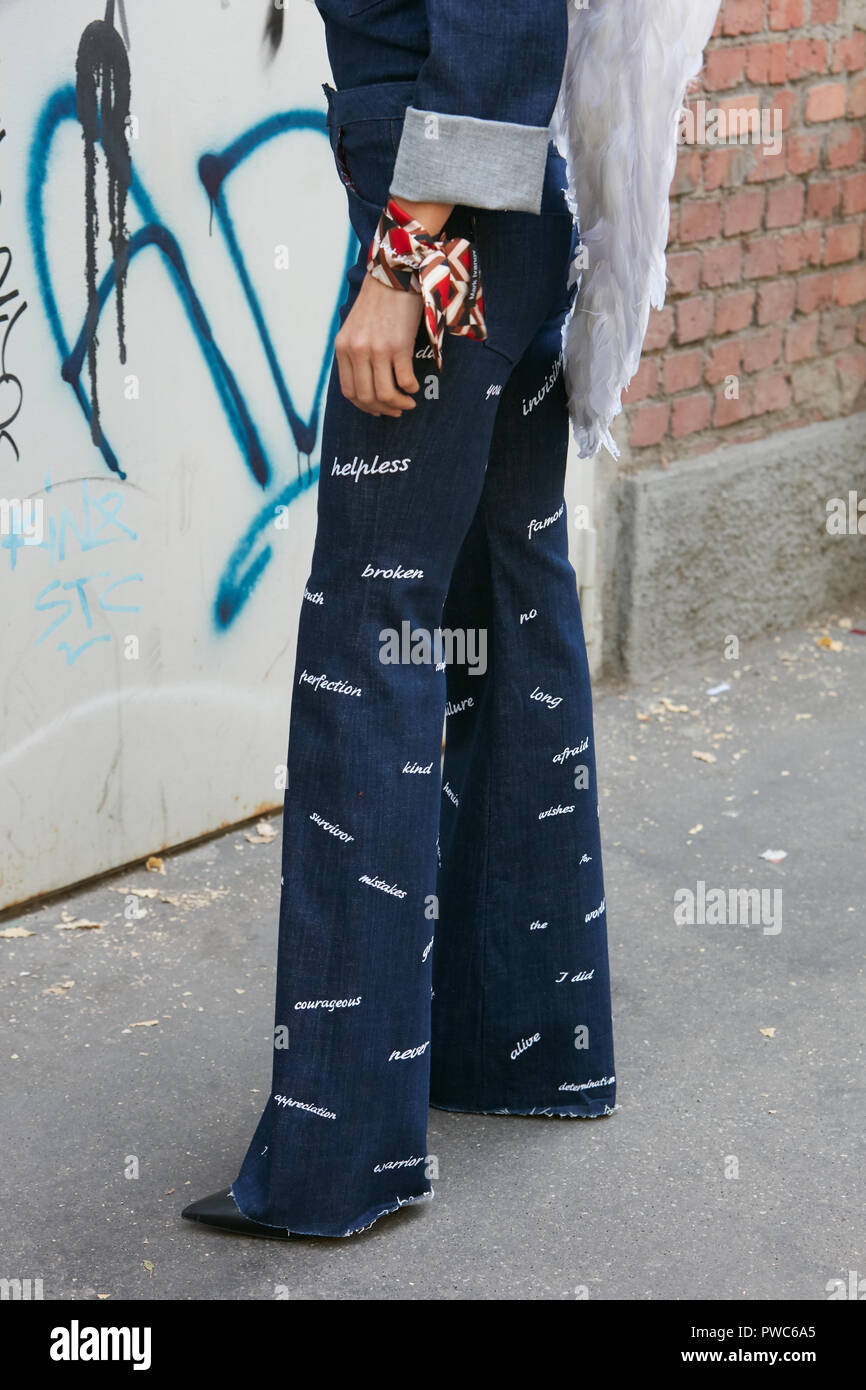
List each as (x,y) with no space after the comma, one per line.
(157,503)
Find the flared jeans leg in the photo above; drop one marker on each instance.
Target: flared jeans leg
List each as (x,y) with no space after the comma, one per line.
(521,1005)
(342,1138)
(457,499)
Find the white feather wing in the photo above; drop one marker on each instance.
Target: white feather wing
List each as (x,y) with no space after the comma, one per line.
(627,67)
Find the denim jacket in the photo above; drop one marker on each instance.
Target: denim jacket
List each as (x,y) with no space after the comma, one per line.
(486,79)
(494,82)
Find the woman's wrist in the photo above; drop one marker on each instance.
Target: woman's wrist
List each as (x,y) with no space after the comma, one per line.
(432,216)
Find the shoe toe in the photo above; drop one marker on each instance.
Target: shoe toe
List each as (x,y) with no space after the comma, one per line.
(221,1211)
(219,1204)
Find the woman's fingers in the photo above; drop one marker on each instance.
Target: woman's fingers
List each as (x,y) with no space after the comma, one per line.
(374,349)
(404,372)
(365,394)
(388,396)
(344,369)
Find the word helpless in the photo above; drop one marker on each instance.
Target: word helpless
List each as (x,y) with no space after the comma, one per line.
(358,467)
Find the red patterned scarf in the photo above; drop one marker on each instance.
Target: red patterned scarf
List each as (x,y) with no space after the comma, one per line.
(445,273)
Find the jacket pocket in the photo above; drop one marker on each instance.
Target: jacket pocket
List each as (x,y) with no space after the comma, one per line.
(364,127)
(364,159)
(347,9)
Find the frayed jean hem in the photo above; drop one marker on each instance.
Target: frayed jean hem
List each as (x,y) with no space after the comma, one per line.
(556,1112)
(368,1219)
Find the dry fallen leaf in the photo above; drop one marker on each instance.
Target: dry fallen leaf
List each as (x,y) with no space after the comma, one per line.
(830,644)
(768,1032)
(155,864)
(669,705)
(79,924)
(695,829)
(13,933)
(202,898)
(265,833)
(148,1265)
(103,1295)
(147,1023)
(641,716)
(704,757)
(59,988)
(139,892)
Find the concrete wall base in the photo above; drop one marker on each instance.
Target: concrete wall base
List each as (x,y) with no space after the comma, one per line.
(734,543)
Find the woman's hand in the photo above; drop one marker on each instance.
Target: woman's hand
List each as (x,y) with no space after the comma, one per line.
(374,348)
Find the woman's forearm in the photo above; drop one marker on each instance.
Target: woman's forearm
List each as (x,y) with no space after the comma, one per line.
(432,216)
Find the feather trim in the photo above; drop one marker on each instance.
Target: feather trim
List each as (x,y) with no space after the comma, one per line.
(627,66)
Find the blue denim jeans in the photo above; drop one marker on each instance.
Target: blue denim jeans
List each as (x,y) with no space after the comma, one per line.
(442,936)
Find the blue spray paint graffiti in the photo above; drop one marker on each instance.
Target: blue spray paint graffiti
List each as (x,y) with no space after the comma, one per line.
(99,525)
(252,553)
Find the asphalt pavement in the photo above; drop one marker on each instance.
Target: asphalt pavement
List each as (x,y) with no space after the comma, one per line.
(136,1052)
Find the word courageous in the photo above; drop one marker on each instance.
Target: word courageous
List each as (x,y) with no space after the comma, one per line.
(75,1343)
(368,572)
(575,979)
(534,525)
(333,829)
(418,647)
(737,907)
(322,683)
(551,700)
(357,467)
(410,1052)
(524,1045)
(548,385)
(302,1105)
(570,752)
(329,1004)
(383,886)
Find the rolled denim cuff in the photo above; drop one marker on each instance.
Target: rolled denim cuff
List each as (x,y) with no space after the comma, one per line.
(444,158)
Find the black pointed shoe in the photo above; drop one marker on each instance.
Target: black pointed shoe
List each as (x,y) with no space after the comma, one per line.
(220,1211)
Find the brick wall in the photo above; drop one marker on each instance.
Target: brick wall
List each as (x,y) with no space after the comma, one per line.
(764,327)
